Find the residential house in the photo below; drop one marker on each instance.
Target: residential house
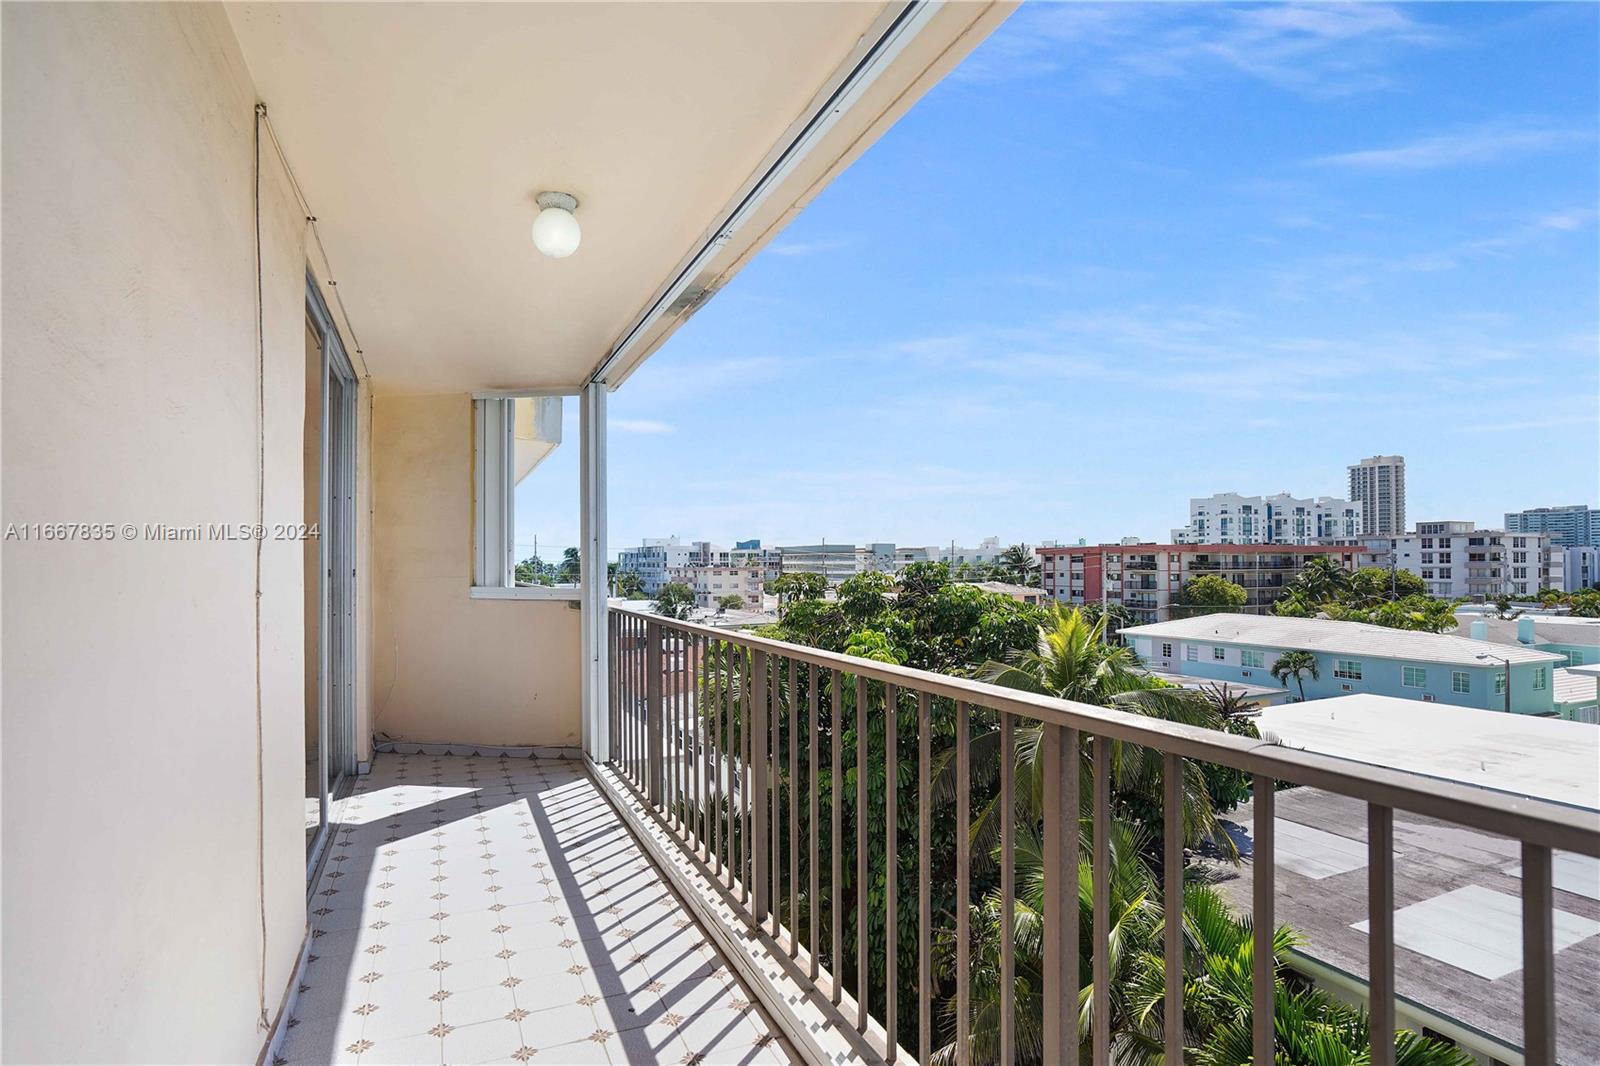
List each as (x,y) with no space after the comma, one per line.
(1352,657)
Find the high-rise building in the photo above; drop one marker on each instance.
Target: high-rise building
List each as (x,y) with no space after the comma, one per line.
(1378,484)
(1577,524)
(1228,518)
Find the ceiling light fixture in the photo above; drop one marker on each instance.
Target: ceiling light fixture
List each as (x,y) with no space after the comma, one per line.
(556,232)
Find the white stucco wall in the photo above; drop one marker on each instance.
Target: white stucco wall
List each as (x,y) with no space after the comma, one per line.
(448,667)
(133,901)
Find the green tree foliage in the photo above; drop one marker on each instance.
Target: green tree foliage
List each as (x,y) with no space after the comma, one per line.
(732,602)
(1395,599)
(1212,590)
(797,588)
(628,586)
(674,600)
(1017,565)
(1295,664)
(571,568)
(534,571)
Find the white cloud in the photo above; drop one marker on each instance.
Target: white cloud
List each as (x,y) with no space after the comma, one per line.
(1317,50)
(793,248)
(639,425)
(1487,143)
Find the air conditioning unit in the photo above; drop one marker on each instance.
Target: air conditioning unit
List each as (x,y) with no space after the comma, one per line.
(1345,688)
(1427,697)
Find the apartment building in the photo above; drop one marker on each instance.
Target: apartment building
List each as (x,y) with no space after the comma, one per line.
(1147,579)
(1378,484)
(712,583)
(1229,518)
(659,560)
(837,562)
(1353,657)
(1455,559)
(1580,568)
(1577,524)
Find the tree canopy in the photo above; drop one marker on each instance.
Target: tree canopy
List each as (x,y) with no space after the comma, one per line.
(674,600)
(1212,590)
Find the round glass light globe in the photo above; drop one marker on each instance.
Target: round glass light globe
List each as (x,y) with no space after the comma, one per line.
(556,232)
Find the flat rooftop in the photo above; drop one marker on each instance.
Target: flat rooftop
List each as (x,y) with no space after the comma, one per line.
(1341,638)
(1544,758)
(1458,938)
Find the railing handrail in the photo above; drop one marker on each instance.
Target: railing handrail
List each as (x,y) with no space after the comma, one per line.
(1537,821)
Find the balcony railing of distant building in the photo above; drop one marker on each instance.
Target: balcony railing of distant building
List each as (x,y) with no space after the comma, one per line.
(728,763)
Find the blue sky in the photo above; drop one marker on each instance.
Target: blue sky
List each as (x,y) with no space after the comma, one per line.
(1130,254)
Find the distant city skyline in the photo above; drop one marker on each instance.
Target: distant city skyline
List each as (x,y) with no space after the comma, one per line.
(1134,254)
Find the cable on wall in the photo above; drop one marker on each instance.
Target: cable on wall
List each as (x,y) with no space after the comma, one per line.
(261,505)
(316,236)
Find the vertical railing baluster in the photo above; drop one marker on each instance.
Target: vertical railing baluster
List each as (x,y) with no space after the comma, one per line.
(746,784)
(1172,900)
(672,682)
(836,827)
(703,731)
(758,788)
(794,808)
(891,876)
(963,886)
(1062,793)
(924,879)
(813,680)
(1538,958)
(1262,869)
(862,914)
(1380,932)
(653,714)
(1008,891)
(775,757)
(1100,869)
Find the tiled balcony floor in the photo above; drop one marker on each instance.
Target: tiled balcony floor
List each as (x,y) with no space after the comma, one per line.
(478,910)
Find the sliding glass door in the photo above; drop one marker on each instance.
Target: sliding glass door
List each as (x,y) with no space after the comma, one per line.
(330,572)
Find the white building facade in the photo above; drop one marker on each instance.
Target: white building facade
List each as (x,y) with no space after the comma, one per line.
(1378,484)
(1229,518)
(1457,560)
(837,562)
(712,584)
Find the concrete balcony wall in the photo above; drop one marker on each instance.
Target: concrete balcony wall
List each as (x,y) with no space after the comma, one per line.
(144,921)
(448,667)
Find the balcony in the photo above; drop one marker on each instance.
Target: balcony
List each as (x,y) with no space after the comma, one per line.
(541,828)
(734,778)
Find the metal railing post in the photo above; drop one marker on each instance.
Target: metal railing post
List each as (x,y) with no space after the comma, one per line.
(653,713)
(760,846)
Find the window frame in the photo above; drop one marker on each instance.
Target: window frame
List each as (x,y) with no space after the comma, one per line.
(1407,673)
(1253,659)
(494,499)
(1347,669)
(1461,682)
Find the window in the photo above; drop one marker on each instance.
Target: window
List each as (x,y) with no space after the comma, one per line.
(526,489)
(1414,677)
(1460,681)
(1191,652)
(1349,669)
(1499,682)
(1575,658)
(1166,651)
(1256,659)
(1541,678)
(1219,654)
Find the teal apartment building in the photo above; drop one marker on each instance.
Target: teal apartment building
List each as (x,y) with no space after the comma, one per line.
(1353,657)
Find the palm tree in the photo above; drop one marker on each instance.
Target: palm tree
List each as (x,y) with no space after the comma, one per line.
(1073,662)
(1217,1003)
(1229,702)
(1295,664)
(1017,564)
(1321,579)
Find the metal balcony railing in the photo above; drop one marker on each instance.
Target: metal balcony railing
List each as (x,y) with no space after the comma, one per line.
(720,735)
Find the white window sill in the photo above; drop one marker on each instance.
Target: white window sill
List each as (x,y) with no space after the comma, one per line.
(525,592)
